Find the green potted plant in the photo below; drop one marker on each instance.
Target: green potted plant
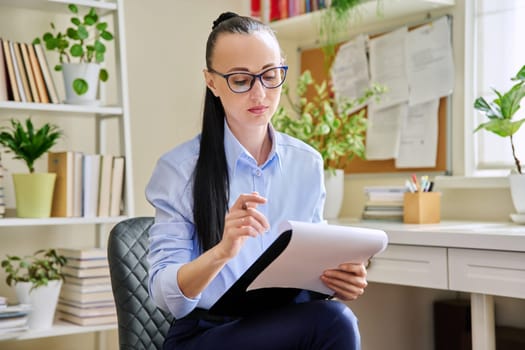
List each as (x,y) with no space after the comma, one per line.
(334,24)
(83,43)
(500,113)
(331,126)
(37,280)
(33,191)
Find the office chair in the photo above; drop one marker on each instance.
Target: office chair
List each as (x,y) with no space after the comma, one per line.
(141,325)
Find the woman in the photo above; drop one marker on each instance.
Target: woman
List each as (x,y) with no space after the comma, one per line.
(220,196)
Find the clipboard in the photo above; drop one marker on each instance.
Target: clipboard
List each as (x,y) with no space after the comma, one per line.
(294,262)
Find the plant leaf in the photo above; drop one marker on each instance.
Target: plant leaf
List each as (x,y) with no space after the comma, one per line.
(80,86)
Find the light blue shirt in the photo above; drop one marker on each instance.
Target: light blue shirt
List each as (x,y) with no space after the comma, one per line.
(291,180)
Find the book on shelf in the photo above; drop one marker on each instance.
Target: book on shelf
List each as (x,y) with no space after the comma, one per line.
(76,288)
(12,88)
(22,72)
(83,253)
(105,303)
(384,203)
(88,281)
(78,159)
(3,75)
(7,333)
(82,297)
(39,77)
(104,194)
(46,73)
(86,272)
(387,216)
(89,311)
(13,318)
(13,322)
(13,84)
(91,184)
(87,263)
(385,193)
(117,180)
(62,163)
(87,321)
(384,209)
(29,73)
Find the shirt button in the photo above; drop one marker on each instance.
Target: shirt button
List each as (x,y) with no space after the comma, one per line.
(257,172)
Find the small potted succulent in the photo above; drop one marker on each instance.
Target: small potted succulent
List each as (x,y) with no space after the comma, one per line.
(81,51)
(37,280)
(331,126)
(500,113)
(33,191)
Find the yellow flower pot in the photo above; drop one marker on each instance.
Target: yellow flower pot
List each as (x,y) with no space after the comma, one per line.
(34,194)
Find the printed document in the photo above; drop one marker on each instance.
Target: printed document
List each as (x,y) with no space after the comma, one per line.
(384,130)
(388,66)
(419,134)
(350,69)
(430,63)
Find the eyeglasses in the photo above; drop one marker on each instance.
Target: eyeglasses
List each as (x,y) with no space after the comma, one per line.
(239,82)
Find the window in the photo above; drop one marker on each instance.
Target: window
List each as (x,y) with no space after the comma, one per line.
(498,53)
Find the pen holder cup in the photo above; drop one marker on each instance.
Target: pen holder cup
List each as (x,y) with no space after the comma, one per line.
(422,208)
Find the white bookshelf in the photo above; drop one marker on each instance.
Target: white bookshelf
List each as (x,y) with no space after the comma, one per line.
(68,113)
(87,111)
(12,222)
(59,328)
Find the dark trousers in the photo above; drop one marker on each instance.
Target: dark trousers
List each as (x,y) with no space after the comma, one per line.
(319,325)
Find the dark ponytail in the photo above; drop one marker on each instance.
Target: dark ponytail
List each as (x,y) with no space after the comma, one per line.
(211,179)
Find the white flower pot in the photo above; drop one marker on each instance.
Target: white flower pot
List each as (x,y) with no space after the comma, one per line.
(87,71)
(334,184)
(43,301)
(517,192)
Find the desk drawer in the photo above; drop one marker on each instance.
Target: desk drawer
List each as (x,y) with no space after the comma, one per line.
(487,272)
(410,265)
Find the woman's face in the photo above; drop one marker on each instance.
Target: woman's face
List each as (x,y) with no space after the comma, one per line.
(250,53)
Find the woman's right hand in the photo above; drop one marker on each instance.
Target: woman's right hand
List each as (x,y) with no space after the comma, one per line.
(242,221)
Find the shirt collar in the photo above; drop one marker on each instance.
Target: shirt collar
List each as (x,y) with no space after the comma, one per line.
(234,150)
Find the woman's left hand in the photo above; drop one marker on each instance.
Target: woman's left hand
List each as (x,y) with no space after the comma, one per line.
(348,281)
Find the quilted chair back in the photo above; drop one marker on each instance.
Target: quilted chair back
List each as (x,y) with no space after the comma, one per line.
(141,325)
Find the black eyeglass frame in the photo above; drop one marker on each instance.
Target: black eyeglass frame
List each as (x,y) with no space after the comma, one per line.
(254,77)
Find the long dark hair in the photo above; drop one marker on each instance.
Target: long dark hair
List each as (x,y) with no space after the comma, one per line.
(211,181)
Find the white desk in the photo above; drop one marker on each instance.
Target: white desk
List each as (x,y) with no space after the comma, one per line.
(485,259)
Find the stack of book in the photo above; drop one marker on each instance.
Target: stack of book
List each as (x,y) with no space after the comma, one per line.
(86,297)
(87,185)
(384,203)
(13,319)
(26,76)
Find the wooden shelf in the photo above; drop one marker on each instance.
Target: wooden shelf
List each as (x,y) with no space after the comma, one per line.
(59,328)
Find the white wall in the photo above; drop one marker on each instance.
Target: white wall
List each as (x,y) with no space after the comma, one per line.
(166,47)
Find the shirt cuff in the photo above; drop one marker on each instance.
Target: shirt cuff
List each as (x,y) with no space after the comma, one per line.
(178,304)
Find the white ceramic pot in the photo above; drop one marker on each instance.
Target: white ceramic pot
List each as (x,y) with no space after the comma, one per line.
(517,192)
(87,71)
(334,184)
(43,301)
